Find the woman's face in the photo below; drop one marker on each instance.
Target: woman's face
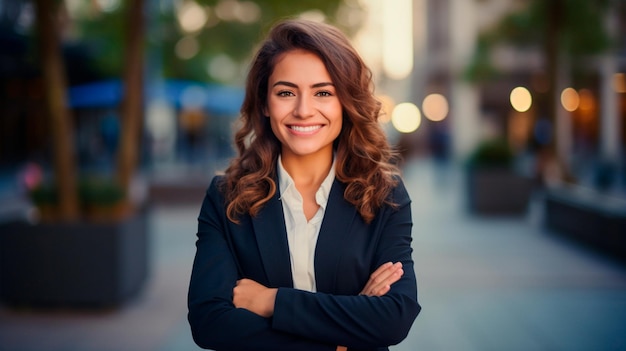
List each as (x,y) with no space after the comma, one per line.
(302,105)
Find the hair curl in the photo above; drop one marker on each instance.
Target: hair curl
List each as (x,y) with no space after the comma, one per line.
(363,155)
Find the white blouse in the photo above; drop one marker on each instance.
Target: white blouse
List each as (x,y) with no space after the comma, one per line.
(302,234)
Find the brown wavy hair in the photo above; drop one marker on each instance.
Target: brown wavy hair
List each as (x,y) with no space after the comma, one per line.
(364,159)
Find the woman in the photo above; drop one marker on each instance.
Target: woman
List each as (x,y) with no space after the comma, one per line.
(304,242)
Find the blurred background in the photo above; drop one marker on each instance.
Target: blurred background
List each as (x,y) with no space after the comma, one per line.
(509,116)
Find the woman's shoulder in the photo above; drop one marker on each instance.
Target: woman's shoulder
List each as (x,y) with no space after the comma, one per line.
(399,194)
(216,187)
(218,179)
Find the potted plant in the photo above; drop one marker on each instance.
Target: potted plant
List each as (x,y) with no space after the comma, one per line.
(89,245)
(98,261)
(99,199)
(493,185)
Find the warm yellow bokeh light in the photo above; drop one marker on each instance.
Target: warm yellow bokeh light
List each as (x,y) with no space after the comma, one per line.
(435,107)
(191,17)
(397,20)
(406,117)
(570,99)
(521,100)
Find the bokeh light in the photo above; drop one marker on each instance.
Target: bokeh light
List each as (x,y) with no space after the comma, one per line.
(187,47)
(108,5)
(406,117)
(242,11)
(222,68)
(191,17)
(398,39)
(435,107)
(226,10)
(521,100)
(570,99)
(248,12)
(313,15)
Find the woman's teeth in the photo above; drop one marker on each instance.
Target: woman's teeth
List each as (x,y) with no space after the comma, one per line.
(305,129)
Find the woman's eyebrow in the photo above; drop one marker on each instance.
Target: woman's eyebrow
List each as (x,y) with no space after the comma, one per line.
(293,85)
(322,84)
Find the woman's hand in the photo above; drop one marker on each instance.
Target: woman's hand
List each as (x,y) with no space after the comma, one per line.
(380,281)
(260,299)
(254,297)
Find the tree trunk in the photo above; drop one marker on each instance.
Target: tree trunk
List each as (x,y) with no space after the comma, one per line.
(61,124)
(554,15)
(132,104)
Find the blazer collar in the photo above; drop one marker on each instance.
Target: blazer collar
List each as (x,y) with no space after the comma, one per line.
(271,234)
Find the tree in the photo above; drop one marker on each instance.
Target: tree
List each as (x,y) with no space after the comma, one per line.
(132,104)
(233,38)
(55,87)
(55,91)
(103,29)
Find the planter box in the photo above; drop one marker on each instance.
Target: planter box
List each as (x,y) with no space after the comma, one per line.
(497,191)
(588,217)
(80,264)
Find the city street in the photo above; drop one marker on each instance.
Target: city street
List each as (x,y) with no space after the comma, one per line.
(485,283)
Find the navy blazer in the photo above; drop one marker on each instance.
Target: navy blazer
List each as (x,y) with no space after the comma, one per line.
(348,250)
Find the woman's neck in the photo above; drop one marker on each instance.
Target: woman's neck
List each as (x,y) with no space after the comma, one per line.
(309,170)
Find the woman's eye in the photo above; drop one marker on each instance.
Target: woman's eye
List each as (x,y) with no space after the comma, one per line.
(285,93)
(324,93)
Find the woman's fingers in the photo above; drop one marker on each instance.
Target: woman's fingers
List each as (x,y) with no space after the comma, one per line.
(380,270)
(381,280)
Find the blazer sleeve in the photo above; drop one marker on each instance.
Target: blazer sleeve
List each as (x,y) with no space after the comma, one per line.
(360,322)
(215,322)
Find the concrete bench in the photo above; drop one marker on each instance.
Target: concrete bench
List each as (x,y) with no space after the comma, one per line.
(595,219)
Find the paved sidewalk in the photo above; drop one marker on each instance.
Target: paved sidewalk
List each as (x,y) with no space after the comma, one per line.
(505,283)
(484,283)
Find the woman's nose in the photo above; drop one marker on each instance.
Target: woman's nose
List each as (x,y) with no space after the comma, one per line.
(304,107)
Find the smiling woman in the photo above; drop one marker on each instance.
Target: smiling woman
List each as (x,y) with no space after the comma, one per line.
(304,111)
(305,242)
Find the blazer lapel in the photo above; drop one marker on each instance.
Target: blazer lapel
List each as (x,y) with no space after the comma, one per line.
(333,236)
(271,235)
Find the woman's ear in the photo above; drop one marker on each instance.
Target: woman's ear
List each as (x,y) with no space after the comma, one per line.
(265,111)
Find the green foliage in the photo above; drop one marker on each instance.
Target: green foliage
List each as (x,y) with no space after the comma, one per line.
(578,25)
(492,153)
(584,31)
(92,191)
(99,191)
(44,194)
(103,34)
(579,22)
(480,68)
